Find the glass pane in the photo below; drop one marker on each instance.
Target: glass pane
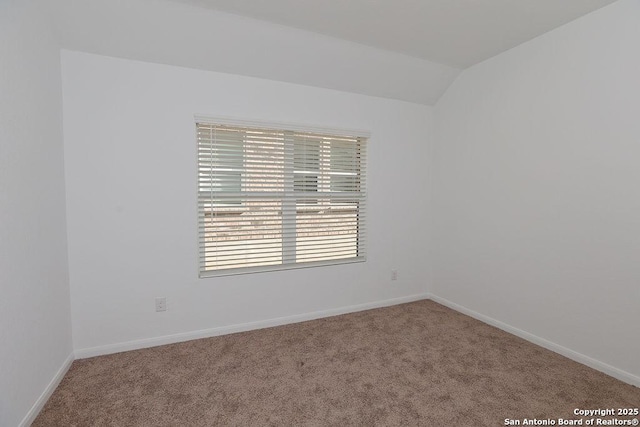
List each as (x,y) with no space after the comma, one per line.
(264,158)
(326,231)
(344,166)
(248,236)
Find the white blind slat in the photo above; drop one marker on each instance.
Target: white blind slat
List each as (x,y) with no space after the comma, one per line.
(270,197)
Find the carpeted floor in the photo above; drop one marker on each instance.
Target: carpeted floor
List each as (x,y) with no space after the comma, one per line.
(412,364)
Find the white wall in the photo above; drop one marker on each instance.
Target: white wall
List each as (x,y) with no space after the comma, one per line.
(131,202)
(536,187)
(35,328)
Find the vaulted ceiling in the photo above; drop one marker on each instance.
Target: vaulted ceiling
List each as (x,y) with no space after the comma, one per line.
(410,50)
(459,33)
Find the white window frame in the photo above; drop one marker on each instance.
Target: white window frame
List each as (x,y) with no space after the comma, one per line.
(213,120)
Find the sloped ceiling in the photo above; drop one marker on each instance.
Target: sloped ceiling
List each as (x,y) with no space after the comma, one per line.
(455,32)
(387,48)
(173,33)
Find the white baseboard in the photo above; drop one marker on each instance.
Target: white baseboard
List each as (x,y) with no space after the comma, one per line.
(46,394)
(571,354)
(223,330)
(170,339)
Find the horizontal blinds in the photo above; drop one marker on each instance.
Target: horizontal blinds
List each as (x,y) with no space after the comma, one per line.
(278,198)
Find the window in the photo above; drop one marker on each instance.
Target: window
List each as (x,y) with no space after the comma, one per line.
(271,199)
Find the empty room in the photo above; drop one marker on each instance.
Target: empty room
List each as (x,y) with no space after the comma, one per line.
(319,213)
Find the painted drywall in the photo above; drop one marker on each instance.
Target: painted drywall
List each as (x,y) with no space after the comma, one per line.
(35,328)
(167,32)
(535,188)
(130,164)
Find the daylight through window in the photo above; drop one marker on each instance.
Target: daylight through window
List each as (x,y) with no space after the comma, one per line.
(271,199)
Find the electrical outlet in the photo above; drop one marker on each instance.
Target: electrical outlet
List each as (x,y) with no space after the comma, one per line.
(394,274)
(161,304)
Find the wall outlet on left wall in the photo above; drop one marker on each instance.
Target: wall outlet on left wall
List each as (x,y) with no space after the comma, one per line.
(161,304)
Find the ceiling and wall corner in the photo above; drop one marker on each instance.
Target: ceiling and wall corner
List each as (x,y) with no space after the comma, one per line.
(410,50)
(460,33)
(36,304)
(178,34)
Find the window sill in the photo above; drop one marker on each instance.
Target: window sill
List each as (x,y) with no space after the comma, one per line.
(279,267)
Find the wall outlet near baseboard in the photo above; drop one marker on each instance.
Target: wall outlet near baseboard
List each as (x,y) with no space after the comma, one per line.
(161,304)
(394,274)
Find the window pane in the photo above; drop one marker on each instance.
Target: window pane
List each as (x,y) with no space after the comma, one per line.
(305,182)
(344,166)
(326,231)
(227,160)
(264,158)
(276,197)
(306,163)
(247,237)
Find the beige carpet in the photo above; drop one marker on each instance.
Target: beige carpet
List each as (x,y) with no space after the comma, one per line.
(412,364)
